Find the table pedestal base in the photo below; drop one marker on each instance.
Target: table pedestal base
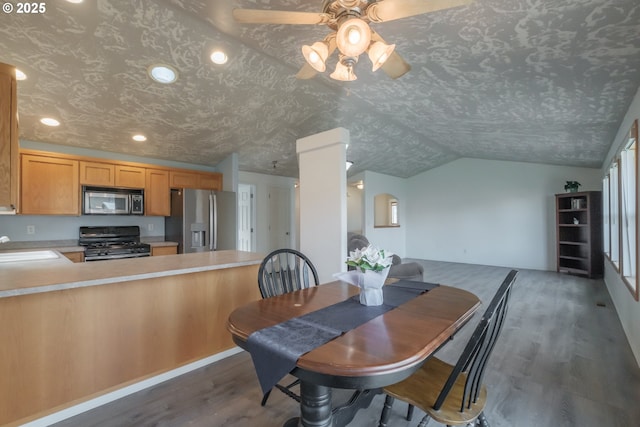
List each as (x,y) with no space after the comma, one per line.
(315,407)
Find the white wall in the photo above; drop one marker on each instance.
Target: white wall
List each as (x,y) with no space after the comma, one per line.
(262,184)
(489,212)
(389,238)
(628,308)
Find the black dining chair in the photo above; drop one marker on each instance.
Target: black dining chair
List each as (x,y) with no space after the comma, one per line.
(455,395)
(281,272)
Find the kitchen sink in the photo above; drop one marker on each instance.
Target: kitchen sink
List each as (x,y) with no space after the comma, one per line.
(27,256)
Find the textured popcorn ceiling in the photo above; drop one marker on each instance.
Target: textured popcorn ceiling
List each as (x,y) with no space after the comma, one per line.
(524,80)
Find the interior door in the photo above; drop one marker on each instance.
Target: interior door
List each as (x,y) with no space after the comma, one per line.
(279,218)
(246,218)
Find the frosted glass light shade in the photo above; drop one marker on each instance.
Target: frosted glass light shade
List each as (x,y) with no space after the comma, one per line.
(316,55)
(379,52)
(353,38)
(343,73)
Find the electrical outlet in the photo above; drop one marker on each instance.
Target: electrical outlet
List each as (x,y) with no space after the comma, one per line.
(31,229)
(150,227)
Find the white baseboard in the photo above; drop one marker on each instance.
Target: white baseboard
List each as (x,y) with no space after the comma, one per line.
(125,391)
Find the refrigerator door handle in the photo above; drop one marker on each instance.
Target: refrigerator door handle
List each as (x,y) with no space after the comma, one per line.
(213,221)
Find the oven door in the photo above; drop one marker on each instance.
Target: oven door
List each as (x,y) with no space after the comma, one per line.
(106,203)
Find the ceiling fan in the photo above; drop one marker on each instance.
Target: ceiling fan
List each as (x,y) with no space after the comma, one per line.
(351,35)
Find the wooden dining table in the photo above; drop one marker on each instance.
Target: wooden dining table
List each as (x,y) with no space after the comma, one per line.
(382,351)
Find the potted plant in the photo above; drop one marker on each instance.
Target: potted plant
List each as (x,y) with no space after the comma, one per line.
(372,266)
(572,186)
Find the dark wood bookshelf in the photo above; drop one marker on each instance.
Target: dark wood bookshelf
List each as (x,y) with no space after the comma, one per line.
(579,233)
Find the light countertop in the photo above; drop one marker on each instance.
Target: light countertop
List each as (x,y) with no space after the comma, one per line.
(22,278)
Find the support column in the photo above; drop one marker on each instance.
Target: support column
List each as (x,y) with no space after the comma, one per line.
(323,200)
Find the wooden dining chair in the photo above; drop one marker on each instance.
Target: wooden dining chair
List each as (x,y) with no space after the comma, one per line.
(455,395)
(281,272)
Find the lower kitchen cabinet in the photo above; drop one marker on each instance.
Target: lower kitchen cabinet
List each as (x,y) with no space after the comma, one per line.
(164,250)
(75,256)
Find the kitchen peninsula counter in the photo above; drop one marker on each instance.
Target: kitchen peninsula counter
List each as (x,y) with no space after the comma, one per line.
(74,331)
(44,276)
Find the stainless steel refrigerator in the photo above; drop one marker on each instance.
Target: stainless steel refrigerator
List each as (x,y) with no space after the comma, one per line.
(202,220)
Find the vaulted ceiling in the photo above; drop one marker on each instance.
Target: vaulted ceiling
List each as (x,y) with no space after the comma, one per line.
(545,81)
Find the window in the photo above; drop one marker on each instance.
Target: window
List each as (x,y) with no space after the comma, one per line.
(606,238)
(394,212)
(628,213)
(620,206)
(614,217)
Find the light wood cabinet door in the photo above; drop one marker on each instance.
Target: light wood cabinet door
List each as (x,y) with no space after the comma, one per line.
(199,180)
(75,256)
(92,173)
(157,195)
(9,157)
(50,186)
(210,181)
(164,250)
(130,176)
(183,179)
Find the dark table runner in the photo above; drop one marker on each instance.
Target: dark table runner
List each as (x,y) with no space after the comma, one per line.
(276,349)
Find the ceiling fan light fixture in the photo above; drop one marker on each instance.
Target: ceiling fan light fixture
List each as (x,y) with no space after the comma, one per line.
(316,55)
(379,52)
(354,36)
(343,73)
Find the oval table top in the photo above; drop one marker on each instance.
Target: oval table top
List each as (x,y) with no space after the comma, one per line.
(377,353)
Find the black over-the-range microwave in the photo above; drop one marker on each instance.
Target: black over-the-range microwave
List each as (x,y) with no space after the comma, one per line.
(112,201)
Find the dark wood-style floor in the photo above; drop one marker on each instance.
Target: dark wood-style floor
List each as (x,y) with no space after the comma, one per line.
(562,360)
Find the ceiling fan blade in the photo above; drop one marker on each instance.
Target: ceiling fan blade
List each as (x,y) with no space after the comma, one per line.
(306,72)
(256,16)
(389,10)
(395,66)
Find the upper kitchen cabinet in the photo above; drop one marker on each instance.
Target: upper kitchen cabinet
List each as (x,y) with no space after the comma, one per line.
(49,185)
(210,181)
(130,176)
(157,197)
(9,156)
(102,174)
(198,180)
(111,175)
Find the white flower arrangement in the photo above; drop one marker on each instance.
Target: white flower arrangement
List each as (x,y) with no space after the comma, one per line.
(370,258)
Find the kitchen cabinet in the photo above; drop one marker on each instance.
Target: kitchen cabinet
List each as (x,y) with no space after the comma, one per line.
(49,185)
(102,174)
(199,180)
(157,195)
(164,250)
(210,181)
(579,233)
(179,179)
(9,156)
(75,256)
(111,175)
(130,176)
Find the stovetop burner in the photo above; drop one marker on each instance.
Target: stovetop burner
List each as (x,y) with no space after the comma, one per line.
(112,242)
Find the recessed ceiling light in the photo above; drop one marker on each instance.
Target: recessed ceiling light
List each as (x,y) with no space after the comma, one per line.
(49,121)
(163,73)
(219,57)
(20,75)
(139,137)
(75,1)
